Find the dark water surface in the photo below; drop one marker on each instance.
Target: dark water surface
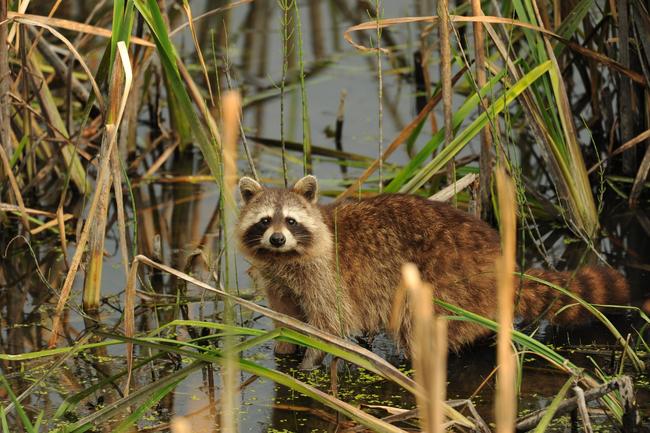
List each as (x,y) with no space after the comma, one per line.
(182,216)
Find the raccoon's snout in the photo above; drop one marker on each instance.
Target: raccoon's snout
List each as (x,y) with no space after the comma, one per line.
(277,239)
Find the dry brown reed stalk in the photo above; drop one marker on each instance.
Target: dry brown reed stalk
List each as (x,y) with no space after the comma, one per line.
(231,102)
(486,160)
(164,156)
(94,268)
(231,106)
(197,97)
(622,148)
(89,75)
(428,349)
(52,223)
(506,398)
(60,218)
(102,178)
(445,77)
(74,26)
(197,47)
(5,77)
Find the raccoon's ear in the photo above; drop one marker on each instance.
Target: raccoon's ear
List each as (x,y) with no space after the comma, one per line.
(248,187)
(308,188)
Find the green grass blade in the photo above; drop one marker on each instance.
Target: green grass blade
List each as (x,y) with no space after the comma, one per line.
(140,410)
(22,415)
(56,351)
(3,420)
(551,408)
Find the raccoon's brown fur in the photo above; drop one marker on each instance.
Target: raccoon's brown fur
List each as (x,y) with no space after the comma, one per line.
(339,265)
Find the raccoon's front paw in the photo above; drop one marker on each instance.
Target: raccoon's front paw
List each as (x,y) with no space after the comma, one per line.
(312,359)
(284,348)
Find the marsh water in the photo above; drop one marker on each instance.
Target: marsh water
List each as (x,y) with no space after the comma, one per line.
(176,215)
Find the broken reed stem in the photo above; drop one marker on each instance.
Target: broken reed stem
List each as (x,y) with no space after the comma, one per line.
(506,399)
(445,77)
(428,349)
(231,103)
(486,159)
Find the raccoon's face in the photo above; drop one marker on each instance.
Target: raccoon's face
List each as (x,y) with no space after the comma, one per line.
(280,224)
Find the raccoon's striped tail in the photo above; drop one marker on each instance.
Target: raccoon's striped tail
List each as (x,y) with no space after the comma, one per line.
(594,284)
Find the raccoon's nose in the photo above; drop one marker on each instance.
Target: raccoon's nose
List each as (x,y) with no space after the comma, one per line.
(277,239)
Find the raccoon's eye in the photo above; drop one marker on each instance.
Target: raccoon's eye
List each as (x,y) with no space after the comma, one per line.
(291,221)
(266,221)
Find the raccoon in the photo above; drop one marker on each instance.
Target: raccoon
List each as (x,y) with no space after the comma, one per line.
(337,266)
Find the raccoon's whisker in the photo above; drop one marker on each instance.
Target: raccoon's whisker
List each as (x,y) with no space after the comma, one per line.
(252,242)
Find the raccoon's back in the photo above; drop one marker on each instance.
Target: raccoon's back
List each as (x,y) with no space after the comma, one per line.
(376,236)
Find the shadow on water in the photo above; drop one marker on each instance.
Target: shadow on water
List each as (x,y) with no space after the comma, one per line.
(178,223)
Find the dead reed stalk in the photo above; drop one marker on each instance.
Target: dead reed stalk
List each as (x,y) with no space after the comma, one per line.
(428,349)
(486,159)
(231,108)
(4,80)
(380,96)
(231,103)
(506,398)
(445,77)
